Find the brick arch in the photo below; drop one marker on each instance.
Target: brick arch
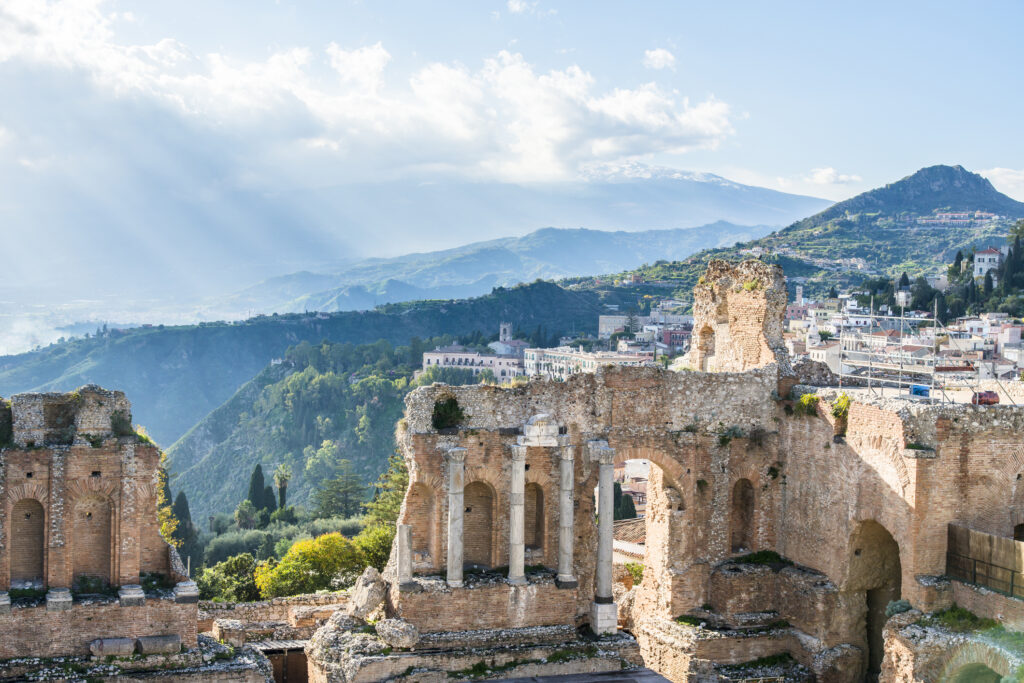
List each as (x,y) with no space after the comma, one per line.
(672,469)
(975,652)
(91,486)
(28,490)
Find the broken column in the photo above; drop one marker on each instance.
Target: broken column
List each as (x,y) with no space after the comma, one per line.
(566,531)
(603,612)
(456,483)
(517,521)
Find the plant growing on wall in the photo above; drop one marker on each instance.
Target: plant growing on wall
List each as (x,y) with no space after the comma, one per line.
(806,405)
(447,414)
(841,407)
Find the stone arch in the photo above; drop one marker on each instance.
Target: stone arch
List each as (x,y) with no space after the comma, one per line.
(972,659)
(874,570)
(419,514)
(534,526)
(28,541)
(741,519)
(478,524)
(92,524)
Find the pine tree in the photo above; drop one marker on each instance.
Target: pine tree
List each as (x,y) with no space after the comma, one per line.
(342,495)
(389,492)
(256,487)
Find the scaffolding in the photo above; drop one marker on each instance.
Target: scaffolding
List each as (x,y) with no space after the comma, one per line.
(878,356)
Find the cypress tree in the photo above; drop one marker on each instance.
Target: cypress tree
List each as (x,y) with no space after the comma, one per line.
(256,487)
(988,284)
(269,499)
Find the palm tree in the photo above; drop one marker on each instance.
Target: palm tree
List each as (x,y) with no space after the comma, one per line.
(281,476)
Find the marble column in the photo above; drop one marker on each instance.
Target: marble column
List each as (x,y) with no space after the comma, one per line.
(404,535)
(456,507)
(517,521)
(566,517)
(604,614)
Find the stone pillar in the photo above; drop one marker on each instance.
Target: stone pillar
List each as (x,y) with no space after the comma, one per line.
(603,613)
(404,534)
(566,518)
(456,507)
(517,521)
(186,592)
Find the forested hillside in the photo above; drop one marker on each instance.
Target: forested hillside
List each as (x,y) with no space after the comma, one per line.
(324,404)
(174,376)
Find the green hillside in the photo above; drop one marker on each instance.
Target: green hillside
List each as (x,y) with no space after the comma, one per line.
(174,376)
(320,405)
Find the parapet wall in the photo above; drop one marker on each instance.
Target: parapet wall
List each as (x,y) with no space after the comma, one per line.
(63,419)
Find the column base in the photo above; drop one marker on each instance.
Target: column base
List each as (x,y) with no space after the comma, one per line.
(567,582)
(604,618)
(409,587)
(517,580)
(455,584)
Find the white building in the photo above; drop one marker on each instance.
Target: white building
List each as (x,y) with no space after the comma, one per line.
(461,358)
(987,260)
(565,361)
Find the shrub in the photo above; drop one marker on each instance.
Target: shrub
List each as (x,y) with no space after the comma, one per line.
(807,405)
(751,285)
(763,557)
(636,570)
(121,424)
(309,566)
(896,607)
(447,413)
(374,545)
(727,435)
(232,580)
(841,407)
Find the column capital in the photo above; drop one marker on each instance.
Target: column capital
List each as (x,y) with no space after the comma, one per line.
(601,452)
(455,454)
(518,452)
(568,452)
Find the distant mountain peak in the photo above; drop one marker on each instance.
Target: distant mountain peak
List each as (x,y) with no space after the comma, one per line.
(924,191)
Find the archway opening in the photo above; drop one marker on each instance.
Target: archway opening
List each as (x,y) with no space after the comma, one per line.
(91,557)
(875,570)
(975,673)
(534,517)
(478,524)
(741,527)
(420,516)
(27,542)
(706,348)
(1018,532)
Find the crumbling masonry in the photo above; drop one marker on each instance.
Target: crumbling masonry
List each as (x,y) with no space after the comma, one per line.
(497,532)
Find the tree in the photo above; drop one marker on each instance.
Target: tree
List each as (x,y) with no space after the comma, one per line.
(628,510)
(988,284)
(824,335)
(374,545)
(958,262)
(342,495)
(186,532)
(311,565)
(832,293)
(256,487)
(282,475)
(232,580)
(246,515)
(389,491)
(904,281)
(164,513)
(269,500)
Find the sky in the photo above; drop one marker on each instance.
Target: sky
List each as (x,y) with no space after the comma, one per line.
(125,124)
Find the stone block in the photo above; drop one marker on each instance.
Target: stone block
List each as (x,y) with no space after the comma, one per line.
(112,647)
(58,600)
(131,596)
(159,645)
(5,603)
(367,595)
(604,618)
(397,632)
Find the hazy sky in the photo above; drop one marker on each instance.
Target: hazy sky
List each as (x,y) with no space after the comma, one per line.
(208,110)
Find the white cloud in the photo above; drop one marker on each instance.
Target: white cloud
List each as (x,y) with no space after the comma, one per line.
(830,176)
(659,58)
(1009,181)
(504,120)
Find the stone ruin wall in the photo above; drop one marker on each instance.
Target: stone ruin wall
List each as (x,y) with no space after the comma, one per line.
(825,492)
(78,499)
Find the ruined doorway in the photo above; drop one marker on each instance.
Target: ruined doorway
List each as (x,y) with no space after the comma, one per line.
(478,525)
(875,572)
(741,526)
(975,673)
(1018,532)
(91,556)
(534,517)
(27,542)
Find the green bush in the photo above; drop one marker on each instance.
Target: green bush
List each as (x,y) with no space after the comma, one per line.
(807,405)
(329,561)
(374,545)
(841,407)
(636,570)
(896,607)
(232,580)
(763,557)
(447,413)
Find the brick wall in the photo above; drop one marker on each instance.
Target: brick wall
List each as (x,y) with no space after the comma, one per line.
(35,631)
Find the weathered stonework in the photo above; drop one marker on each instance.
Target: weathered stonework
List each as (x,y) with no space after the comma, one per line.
(861,505)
